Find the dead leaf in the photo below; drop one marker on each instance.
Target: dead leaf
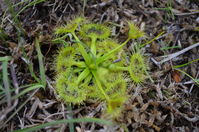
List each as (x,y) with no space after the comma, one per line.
(176,76)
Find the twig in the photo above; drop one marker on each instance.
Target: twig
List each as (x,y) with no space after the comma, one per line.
(101,4)
(186,14)
(171,56)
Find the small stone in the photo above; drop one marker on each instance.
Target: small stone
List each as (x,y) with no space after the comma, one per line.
(182,2)
(197,20)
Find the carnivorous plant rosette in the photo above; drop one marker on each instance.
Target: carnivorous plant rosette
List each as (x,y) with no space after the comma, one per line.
(92,69)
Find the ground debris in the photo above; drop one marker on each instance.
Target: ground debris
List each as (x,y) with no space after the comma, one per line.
(170,103)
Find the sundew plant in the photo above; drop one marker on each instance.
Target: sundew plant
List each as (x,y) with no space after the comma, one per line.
(92,64)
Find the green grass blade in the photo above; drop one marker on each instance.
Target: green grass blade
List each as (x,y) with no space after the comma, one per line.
(70,114)
(27,85)
(30,67)
(19,3)
(195,80)
(6,82)
(1,89)
(5,58)
(78,120)
(27,90)
(185,64)
(41,64)
(24,92)
(150,41)
(1,92)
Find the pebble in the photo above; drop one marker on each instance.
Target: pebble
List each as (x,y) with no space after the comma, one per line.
(197,20)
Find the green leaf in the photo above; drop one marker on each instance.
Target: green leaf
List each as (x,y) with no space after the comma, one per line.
(82,50)
(108,55)
(83,75)
(99,85)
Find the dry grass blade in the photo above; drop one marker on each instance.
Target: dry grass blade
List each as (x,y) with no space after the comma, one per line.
(19,108)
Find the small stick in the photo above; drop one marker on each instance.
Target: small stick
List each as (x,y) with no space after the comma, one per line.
(185,14)
(171,56)
(101,4)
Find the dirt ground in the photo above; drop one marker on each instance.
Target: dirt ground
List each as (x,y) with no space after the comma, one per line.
(170,104)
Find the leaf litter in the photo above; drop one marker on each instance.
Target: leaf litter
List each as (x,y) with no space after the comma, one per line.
(168,104)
